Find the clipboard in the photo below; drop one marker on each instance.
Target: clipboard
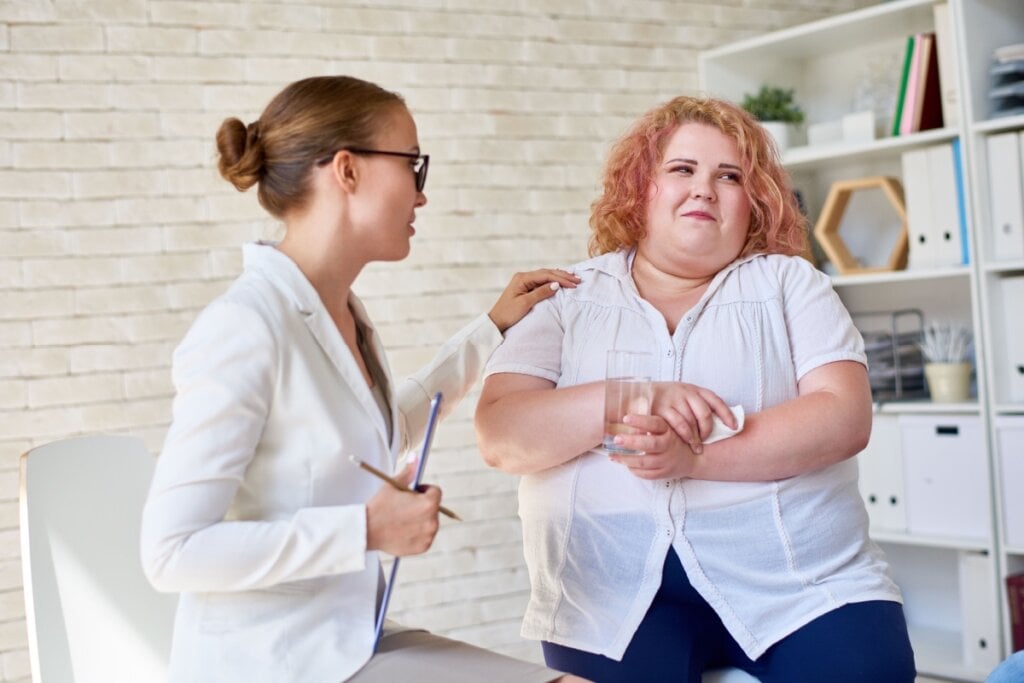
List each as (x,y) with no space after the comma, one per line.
(428,439)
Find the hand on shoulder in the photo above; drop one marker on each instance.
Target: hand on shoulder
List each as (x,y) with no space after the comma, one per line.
(524,291)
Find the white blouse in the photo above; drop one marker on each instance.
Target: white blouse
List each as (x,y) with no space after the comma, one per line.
(769,557)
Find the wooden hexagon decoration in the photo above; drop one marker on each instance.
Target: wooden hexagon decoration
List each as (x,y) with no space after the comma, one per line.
(826,230)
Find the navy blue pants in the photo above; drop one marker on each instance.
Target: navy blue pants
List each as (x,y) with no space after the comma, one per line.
(681,636)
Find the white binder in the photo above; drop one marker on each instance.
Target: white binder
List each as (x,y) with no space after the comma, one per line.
(945,224)
(881,475)
(1012,341)
(916,198)
(979,611)
(1006,227)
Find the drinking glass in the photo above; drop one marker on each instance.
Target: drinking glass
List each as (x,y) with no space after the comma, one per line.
(627,391)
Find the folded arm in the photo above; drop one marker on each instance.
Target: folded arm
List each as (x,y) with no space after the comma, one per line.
(524,424)
(828,422)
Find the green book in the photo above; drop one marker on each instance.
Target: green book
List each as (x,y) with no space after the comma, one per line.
(907,59)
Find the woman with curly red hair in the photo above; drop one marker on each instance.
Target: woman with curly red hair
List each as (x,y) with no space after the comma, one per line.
(750,551)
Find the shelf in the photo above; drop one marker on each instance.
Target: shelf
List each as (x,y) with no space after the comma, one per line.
(927,407)
(946,542)
(999,125)
(1004,266)
(803,158)
(886,277)
(1009,409)
(1013,550)
(833,34)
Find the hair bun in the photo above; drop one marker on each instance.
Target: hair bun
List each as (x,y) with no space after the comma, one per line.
(240,151)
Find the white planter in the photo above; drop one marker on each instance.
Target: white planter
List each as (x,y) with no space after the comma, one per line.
(779,132)
(948,382)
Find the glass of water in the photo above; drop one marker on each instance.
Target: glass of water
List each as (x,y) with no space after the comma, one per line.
(627,391)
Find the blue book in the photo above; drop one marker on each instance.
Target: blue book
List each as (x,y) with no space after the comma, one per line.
(960,203)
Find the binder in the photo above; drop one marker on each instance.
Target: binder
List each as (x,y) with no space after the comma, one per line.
(949,85)
(1006,228)
(428,440)
(945,224)
(917,201)
(961,203)
(881,476)
(979,611)
(1012,340)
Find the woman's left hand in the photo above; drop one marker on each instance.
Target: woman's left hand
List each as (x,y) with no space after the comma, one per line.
(665,454)
(524,291)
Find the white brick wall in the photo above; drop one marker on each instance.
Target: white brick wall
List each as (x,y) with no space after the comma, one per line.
(115,230)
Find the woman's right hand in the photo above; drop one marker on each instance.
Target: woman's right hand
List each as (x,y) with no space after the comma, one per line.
(690,410)
(402,522)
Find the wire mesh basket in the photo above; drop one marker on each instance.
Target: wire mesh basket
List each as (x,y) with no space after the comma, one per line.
(895,362)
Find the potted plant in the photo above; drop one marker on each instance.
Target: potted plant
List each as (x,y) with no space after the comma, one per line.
(775,108)
(945,347)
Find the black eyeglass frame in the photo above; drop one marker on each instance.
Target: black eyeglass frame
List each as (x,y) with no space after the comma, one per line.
(421,172)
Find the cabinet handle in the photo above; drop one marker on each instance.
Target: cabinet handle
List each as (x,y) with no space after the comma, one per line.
(892,500)
(1020,369)
(947,430)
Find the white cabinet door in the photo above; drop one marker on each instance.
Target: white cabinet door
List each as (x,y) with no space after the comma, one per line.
(946,476)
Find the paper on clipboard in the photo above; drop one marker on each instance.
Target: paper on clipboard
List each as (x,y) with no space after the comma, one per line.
(428,439)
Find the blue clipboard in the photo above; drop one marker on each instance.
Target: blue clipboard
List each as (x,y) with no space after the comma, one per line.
(428,439)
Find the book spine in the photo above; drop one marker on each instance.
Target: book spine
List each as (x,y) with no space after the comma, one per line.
(1015,597)
(961,203)
(947,65)
(907,58)
(910,99)
(929,108)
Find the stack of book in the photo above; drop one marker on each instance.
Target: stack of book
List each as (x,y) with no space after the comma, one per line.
(1007,74)
(919,105)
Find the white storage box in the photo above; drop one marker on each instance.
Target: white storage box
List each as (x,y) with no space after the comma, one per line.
(945,473)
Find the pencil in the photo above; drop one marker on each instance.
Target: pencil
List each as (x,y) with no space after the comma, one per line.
(383,477)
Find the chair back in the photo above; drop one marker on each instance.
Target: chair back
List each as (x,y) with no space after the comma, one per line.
(91,613)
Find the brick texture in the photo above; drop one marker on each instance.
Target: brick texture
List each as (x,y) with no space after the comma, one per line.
(116,230)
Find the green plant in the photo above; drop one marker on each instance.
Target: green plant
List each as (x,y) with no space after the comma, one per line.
(773,104)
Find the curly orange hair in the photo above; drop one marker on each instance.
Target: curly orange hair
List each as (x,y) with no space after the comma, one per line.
(618,216)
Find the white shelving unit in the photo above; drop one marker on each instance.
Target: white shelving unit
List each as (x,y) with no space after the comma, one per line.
(953,583)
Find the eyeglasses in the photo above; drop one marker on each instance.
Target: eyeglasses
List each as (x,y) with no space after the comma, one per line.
(420,168)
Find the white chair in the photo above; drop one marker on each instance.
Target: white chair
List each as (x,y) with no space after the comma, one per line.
(727,676)
(91,613)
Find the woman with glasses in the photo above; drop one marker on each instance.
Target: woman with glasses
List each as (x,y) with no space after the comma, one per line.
(256,514)
(752,551)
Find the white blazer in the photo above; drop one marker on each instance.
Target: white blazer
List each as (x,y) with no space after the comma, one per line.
(255,513)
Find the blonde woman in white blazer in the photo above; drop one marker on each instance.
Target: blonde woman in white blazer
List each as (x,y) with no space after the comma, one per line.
(255,515)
